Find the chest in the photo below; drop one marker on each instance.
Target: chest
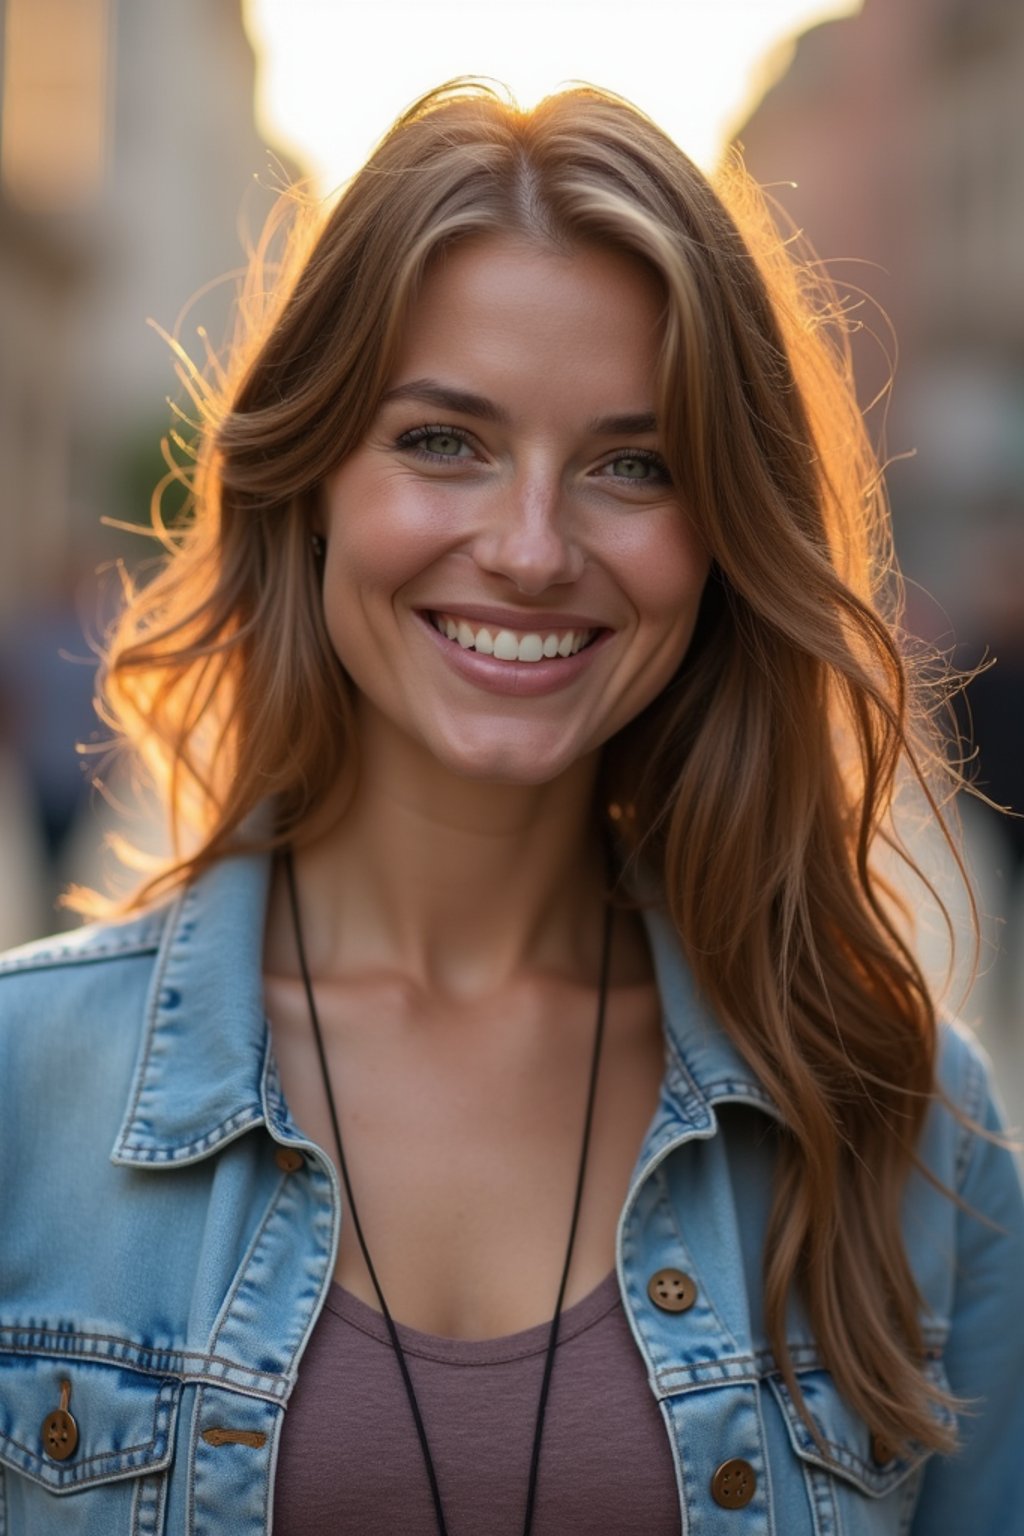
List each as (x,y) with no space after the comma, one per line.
(191,1298)
(462,1134)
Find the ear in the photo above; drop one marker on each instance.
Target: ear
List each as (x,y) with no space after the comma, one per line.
(317,523)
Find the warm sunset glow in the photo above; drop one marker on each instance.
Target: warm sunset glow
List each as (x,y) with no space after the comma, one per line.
(334,73)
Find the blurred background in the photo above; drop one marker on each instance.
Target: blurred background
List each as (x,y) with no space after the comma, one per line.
(143,144)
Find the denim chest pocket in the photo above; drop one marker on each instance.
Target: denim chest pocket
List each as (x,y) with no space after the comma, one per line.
(855,1484)
(84,1446)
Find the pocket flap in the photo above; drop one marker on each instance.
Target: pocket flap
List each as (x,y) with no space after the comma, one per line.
(124,1419)
(851,1452)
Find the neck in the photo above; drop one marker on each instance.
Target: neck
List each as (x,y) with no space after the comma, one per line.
(453,884)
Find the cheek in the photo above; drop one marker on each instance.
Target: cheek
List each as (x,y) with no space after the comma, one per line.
(368,557)
(384,528)
(666,573)
(663,578)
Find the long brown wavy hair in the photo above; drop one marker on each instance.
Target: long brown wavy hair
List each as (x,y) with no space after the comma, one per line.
(753,790)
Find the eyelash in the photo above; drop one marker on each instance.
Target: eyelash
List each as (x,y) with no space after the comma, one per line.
(412,440)
(417,435)
(646,456)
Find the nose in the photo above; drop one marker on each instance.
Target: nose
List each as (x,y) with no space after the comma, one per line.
(529,538)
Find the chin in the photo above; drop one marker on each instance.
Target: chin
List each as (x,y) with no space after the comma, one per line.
(506,763)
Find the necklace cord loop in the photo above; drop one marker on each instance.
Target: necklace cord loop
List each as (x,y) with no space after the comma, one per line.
(549,1356)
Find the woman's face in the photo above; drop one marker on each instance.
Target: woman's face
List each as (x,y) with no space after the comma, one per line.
(510,575)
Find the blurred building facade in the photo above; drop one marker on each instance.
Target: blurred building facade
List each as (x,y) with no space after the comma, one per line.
(128,161)
(903,130)
(95,243)
(895,142)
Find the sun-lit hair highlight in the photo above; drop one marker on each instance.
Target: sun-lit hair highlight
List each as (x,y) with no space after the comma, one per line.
(754,792)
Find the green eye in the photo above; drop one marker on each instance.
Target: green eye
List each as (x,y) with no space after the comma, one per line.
(445,444)
(438,445)
(641,467)
(632,469)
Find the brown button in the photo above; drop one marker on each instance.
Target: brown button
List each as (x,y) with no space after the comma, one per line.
(671,1290)
(60,1432)
(733,1484)
(288,1159)
(881,1451)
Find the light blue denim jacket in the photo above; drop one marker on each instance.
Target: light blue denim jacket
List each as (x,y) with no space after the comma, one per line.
(157,1258)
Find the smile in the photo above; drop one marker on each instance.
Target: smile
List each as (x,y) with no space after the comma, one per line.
(509,644)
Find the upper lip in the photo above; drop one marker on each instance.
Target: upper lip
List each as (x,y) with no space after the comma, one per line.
(525,620)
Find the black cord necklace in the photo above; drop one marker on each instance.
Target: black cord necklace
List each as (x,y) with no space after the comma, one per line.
(549,1359)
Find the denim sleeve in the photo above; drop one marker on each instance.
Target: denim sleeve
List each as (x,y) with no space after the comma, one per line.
(978,1492)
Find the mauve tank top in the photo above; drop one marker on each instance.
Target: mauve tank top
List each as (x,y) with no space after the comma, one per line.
(350,1462)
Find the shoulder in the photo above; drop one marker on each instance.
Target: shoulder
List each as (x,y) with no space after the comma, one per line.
(964,1201)
(967,1116)
(75,986)
(73,1010)
(94,944)
(963,1068)
(979,1254)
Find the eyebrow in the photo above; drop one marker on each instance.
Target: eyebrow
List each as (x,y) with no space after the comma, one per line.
(465,403)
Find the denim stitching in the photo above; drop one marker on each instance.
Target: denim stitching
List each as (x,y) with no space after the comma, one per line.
(267,1502)
(771,1528)
(50,959)
(694,1098)
(871,1476)
(156,987)
(177,1151)
(272,1459)
(172,1363)
(697,1378)
(258,1235)
(135,1456)
(911,1493)
(973,1094)
(663,1193)
(132,1350)
(677,1462)
(148,1504)
(161,1402)
(752,1092)
(821,1496)
(193,1451)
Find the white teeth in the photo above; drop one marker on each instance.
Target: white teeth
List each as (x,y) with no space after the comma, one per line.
(506,645)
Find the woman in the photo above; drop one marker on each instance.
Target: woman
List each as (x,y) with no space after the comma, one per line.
(521,996)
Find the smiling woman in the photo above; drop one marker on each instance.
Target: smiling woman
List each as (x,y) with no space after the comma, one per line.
(521,994)
(510,584)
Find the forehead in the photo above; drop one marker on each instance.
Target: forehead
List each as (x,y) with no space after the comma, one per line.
(498,314)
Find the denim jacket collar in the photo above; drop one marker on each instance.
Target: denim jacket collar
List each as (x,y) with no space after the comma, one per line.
(204,1073)
(198,1080)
